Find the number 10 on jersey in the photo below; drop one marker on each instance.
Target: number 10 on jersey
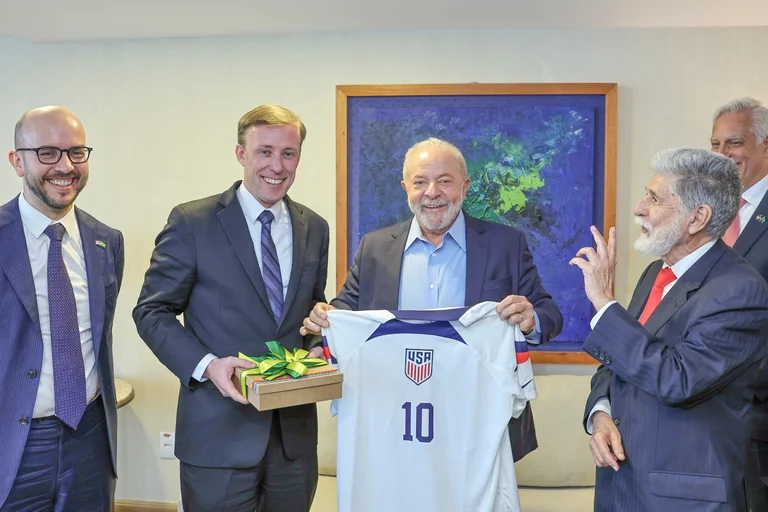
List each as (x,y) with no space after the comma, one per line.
(425,419)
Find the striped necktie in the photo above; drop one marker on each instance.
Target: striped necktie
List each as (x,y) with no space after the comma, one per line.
(270,265)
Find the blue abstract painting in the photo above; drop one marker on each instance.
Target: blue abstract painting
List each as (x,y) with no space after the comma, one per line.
(536,162)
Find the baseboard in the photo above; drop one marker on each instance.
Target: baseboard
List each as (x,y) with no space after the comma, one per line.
(144,506)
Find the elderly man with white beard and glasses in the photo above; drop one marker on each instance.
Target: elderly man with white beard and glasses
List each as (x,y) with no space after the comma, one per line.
(445,258)
(669,408)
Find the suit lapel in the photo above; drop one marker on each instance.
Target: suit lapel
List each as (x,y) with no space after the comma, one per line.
(477,253)
(643,290)
(687,284)
(392,260)
(753,230)
(95,267)
(300,231)
(14,258)
(235,227)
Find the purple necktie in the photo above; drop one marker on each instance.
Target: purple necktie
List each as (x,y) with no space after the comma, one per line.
(270,265)
(68,366)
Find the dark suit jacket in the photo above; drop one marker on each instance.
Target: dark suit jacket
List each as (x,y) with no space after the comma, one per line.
(499,263)
(752,245)
(205,267)
(681,387)
(21,343)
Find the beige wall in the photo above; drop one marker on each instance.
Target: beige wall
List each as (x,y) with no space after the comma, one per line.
(162,115)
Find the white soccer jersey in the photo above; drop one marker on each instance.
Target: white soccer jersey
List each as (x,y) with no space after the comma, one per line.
(427,396)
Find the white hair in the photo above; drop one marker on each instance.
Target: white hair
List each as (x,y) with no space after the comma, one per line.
(759,126)
(432,142)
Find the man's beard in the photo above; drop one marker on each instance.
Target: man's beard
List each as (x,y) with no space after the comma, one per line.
(431,223)
(659,241)
(37,186)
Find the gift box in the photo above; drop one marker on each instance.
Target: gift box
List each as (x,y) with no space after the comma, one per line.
(283,378)
(320,383)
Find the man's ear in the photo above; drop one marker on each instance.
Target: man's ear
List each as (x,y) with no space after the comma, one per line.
(240,154)
(699,219)
(15,158)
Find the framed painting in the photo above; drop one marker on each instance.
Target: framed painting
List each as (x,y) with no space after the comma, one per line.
(541,157)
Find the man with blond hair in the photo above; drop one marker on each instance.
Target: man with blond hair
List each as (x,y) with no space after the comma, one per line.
(244,267)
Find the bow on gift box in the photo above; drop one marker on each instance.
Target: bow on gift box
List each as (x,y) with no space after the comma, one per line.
(278,362)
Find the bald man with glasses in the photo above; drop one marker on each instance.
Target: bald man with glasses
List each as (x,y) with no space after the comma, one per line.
(60,272)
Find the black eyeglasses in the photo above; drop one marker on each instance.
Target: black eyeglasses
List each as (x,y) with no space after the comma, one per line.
(52,155)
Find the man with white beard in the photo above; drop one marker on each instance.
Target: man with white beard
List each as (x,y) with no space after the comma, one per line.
(445,258)
(669,408)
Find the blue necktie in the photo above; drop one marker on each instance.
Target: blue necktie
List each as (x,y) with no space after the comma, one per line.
(270,265)
(66,351)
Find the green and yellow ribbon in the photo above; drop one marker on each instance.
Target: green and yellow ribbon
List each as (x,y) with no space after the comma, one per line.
(278,362)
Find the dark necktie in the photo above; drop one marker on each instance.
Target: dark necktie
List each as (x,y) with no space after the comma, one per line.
(270,265)
(664,277)
(66,351)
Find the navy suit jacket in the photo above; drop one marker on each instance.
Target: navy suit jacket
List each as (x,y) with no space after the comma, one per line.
(499,263)
(204,266)
(752,245)
(21,342)
(681,387)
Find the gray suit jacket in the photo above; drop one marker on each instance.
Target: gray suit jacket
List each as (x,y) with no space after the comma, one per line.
(204,267)
(681,387)
(499,263)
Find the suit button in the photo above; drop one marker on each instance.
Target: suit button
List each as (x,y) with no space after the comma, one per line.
(24,421)
(596,352)
(616,421)
(608,360)
(32,374)
(602,357)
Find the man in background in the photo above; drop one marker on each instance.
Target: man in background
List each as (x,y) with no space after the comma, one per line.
(740,132)
(60,273)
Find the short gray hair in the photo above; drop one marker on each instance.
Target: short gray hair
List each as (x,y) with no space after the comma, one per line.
(700,176)
(436,143)
(759,126)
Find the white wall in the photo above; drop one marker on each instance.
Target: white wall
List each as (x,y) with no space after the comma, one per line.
(162,116)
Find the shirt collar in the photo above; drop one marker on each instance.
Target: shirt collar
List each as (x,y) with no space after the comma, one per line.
(457,232)
(756,192)
(252,208)
(36,221)
(686,262)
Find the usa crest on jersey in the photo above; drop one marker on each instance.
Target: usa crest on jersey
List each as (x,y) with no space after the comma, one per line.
(418,364)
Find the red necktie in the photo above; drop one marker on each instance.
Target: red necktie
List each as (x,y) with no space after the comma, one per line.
(664,277)
(732,233)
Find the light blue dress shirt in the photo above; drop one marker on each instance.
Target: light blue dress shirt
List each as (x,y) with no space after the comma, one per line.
(436,277)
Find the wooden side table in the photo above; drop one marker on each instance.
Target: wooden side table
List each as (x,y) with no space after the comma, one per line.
(123,392)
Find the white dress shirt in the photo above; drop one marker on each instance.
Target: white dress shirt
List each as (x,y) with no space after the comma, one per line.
(282,236)
(34,223)
(753,196)
(679,268)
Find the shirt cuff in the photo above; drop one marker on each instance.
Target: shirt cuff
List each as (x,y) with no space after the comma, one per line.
(534,337)
(201,367)
(599,314)
(603,404)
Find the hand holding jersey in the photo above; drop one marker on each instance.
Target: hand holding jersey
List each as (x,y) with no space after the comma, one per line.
(435,390)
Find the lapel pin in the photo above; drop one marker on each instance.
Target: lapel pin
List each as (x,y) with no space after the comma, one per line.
(101,244)
(760,219)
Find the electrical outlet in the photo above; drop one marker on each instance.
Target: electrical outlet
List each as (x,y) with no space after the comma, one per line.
(167,443)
